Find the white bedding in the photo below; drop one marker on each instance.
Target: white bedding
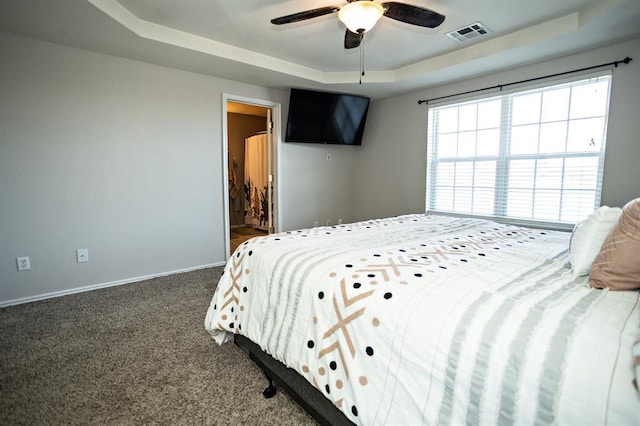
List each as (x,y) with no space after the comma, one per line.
(425,319)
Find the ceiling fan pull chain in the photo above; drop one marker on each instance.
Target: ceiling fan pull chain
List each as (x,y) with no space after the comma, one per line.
(361,58)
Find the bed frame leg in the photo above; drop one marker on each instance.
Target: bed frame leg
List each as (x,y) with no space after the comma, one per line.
(270,391)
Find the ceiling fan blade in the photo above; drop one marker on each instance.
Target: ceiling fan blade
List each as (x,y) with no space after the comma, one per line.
(352,40)
(307,14)
(413,15)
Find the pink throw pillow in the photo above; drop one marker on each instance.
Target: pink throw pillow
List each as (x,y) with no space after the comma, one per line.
(617,266)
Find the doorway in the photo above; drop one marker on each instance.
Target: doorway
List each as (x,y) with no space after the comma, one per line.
(250,164)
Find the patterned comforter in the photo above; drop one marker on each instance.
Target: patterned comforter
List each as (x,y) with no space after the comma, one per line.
(425,319)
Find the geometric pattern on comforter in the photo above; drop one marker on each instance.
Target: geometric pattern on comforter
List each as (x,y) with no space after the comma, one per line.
(425,319)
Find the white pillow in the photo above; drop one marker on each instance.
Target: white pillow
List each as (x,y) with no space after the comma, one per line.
(588,236)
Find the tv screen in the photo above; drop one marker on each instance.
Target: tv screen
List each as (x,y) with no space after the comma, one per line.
(323,117)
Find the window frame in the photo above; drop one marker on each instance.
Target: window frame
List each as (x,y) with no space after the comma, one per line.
(505,157)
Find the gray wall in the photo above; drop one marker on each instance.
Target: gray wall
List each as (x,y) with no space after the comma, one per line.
(316,189)
(391,167)
(125,159)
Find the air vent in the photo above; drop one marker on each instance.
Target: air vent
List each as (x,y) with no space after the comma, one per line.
(469,32)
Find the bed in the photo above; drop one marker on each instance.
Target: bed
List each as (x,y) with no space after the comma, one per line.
(430,319)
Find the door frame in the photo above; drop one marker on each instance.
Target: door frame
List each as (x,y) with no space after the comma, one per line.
(275,108)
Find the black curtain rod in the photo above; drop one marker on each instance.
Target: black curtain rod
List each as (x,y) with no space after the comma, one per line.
(501,86)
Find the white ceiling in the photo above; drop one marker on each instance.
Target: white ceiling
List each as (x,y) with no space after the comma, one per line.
(234,39)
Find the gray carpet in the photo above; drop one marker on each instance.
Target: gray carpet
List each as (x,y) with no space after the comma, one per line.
(132,354)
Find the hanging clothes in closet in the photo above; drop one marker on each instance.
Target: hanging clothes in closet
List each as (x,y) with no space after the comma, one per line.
(236,210)
(256,181)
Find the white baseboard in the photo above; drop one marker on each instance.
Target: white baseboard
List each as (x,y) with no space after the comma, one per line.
(5,303)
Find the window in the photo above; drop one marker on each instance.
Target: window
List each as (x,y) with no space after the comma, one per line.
(532,155)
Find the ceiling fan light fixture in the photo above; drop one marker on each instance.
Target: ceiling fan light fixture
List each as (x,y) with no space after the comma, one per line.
(360,16)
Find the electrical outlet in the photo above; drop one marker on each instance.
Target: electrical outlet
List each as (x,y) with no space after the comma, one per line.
(82,255)
(328,157)
(23,263)
(316,224)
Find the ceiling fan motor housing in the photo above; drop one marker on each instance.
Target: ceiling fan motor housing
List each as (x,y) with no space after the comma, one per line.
(360,16)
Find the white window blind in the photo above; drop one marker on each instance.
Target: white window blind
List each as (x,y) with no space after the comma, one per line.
(535,154)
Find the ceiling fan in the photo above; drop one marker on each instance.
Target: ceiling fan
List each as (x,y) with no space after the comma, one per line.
(360,16)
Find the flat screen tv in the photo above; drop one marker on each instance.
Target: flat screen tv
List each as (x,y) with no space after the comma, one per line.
(328,118)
